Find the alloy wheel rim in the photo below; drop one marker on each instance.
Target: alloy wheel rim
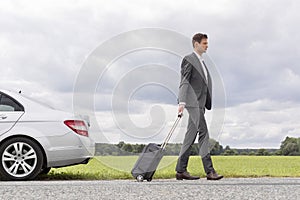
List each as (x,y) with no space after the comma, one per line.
(19,159)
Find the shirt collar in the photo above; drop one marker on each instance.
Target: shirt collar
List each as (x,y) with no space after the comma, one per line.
(198,56)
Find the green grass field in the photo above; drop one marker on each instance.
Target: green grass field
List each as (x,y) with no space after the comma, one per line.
(119,167)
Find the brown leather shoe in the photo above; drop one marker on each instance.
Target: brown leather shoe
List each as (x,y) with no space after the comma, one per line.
(213,176)
(186,176)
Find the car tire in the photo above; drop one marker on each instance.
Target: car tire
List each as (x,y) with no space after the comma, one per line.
(45,171)
(20,159)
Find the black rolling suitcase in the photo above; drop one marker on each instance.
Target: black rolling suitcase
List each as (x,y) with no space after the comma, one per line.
(150,157)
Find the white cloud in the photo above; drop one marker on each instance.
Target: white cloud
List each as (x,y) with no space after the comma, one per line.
(262,123)
(139,127)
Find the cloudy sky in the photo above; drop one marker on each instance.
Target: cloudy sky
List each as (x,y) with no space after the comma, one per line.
(253,45)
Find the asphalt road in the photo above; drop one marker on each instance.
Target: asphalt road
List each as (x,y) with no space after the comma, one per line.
(228,188)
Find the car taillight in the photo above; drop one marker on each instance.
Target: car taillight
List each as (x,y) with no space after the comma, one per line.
(77,126)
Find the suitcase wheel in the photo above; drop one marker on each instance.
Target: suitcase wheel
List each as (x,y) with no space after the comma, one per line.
(140,178)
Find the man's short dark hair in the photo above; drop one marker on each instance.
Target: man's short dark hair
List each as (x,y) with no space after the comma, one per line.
(198,37)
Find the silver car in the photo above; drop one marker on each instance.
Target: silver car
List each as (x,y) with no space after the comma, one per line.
(35,137)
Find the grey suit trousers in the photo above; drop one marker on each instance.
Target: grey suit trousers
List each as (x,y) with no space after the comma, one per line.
(196,125)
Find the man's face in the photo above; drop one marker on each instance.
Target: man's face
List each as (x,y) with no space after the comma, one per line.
(202,46)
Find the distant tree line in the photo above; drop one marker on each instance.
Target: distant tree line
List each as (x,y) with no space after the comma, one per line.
(290,146)
(123,148)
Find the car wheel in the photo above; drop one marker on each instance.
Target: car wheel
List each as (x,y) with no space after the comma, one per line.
(21,159)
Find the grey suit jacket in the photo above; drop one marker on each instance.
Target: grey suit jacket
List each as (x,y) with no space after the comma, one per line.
(193,89)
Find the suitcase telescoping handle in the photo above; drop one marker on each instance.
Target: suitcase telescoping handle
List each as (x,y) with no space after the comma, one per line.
(164,144)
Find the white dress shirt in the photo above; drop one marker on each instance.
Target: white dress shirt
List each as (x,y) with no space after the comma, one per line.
(202,64)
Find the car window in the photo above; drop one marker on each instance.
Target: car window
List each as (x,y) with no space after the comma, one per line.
(6,108)
(9,104)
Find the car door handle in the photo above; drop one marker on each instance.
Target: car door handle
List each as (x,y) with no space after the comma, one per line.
(3,116)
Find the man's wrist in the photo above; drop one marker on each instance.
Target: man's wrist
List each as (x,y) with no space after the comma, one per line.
(182,103)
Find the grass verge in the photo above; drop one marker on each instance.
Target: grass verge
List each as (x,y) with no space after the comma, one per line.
(119,167)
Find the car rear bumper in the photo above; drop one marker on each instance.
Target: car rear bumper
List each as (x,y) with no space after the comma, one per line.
(71,156)
(71,149)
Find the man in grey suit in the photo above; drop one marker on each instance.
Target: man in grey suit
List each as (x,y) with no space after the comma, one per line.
(195,94)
